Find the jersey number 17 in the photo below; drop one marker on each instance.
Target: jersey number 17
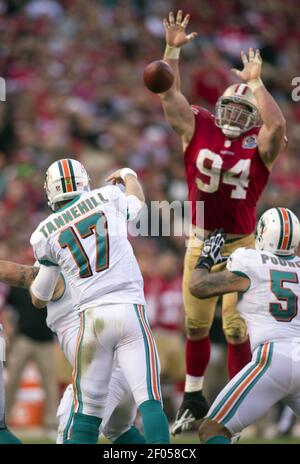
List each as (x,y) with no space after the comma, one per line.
(96,225)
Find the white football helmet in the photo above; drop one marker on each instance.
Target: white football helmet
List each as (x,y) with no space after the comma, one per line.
(278,231)
(65,179)
(233,120)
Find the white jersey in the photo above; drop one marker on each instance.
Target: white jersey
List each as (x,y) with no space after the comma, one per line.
(88,240)
(61,314)
(120,409)
(270,306)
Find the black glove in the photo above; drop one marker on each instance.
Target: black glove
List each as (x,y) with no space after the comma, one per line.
(211,252)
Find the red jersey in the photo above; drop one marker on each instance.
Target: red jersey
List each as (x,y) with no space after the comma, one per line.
(164,303)
(170,312)
(228,175)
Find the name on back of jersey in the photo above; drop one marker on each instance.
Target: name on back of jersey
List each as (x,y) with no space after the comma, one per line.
(276,260)
(72,213)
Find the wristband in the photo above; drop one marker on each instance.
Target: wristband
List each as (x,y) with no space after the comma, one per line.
(204,263)
(172,53)
(125,171)
(255,84)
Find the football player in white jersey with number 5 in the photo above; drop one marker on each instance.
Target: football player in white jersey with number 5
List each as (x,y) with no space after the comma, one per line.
(268,278)
(86,238)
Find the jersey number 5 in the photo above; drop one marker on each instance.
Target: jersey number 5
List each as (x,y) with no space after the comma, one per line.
(280,313)
(238,175)
(96,225)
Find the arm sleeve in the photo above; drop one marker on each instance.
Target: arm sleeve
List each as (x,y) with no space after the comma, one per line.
(114,194)
(41,249)
(203,123)
(44,284)
(240,263)
(129,206)
(237,263)
(134,206)
(202,116)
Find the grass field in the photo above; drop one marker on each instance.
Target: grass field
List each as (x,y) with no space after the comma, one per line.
(183,439)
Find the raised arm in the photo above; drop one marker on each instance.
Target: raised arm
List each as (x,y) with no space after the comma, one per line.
(129,179)
(177,109)
(133,187)
(271,137)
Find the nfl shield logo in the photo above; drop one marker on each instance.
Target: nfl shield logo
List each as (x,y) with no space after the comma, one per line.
(250,141)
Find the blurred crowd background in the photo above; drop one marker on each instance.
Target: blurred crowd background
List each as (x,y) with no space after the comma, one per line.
(73,71)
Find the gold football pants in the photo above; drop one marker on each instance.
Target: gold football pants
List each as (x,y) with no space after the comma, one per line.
(199,314)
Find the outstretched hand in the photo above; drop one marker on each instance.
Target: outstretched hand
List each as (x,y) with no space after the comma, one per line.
(175,30)
(252,66)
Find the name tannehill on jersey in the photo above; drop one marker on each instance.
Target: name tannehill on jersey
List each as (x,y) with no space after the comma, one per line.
(72,213)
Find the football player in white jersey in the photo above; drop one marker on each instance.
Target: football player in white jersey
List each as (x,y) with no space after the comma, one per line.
(62,319)
(268,278)
(86,237)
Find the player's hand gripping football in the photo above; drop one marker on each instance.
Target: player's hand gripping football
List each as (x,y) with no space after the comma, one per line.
(211,252)
(252,66)
(175,30)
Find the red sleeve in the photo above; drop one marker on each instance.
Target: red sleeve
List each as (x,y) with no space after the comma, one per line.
(203,120)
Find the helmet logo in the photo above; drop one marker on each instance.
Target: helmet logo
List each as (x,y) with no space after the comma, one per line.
(263,226)
(260,230)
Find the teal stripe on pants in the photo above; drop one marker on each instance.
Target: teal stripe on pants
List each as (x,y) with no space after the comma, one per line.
(68,426)
(236,384)
(245,393)
(156,354)
(77,380)
(148,368)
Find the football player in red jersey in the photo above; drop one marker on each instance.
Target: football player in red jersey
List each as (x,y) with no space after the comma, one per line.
(228,158)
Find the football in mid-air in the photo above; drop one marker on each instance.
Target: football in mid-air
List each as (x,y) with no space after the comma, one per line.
(158,76)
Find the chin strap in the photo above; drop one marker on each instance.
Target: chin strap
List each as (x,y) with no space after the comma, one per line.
(231,131)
